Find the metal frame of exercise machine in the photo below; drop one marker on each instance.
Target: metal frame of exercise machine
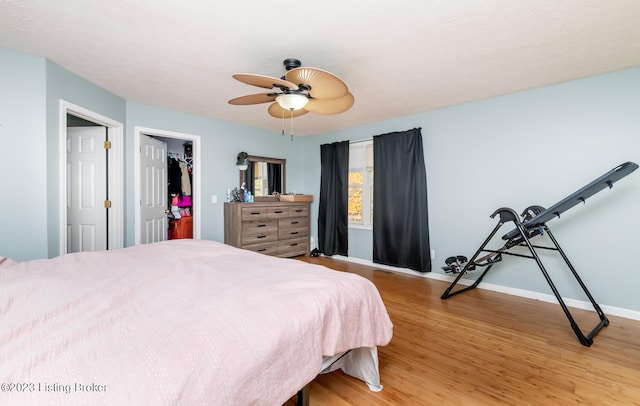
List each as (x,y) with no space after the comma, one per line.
(533,224)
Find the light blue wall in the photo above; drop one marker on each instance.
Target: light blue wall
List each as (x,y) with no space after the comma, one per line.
(23,166)
(32,89)
(533,147)
(221,141)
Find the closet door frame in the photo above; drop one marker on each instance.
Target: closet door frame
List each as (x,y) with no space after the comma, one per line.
(195,183)
(115,177)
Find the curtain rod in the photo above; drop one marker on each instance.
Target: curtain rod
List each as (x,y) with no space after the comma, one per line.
(371,138)
(363,140)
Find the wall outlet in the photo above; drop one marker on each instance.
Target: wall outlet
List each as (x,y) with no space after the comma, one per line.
(433,254)
(214,199)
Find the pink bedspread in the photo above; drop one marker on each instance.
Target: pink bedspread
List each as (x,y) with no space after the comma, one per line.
(179,322)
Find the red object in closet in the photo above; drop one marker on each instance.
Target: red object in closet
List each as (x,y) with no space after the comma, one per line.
(181,228)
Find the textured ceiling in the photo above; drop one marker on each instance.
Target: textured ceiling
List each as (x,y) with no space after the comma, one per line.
(397,57)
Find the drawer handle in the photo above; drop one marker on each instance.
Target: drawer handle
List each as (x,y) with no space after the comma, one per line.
(261,236)
(294,222)
(255,212)
(262,249)
(261,225)
(278,211)
(293,245)
(294,232)
(299,210)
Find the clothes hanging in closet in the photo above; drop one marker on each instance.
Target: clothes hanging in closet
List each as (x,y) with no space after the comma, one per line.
(185,180)
(175,177)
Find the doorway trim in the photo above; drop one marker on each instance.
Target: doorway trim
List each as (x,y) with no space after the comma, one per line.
(196,200)
(116,171)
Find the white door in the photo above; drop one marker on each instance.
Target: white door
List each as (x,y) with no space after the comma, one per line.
(153,188)
(86,189)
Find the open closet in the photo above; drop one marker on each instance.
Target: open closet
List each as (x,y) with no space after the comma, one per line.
(166,188)
(179,187)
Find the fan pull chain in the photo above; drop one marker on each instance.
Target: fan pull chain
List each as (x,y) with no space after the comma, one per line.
(283,122)
(291,124)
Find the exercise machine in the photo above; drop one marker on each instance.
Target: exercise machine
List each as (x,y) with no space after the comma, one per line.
(533,224)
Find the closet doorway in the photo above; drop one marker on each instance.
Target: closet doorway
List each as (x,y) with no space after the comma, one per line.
(91,181)
(167,185)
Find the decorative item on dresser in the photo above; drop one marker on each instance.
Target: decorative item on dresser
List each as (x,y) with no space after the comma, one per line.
(279,229)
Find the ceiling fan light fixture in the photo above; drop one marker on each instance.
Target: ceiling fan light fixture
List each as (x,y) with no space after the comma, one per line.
(292,101)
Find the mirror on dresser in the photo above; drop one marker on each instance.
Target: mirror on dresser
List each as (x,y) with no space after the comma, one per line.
(264,176)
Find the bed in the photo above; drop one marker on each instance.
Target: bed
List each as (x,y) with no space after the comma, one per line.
(181,322)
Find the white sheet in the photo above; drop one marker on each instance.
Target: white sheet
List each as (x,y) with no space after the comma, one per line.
(361,363)
(179,322)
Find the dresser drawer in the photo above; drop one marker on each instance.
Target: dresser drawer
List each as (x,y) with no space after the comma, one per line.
(292,232)
(293,247)
(299,211)
(254,213)
(295,227)
(258,227)
(267,248)
(259,231)
(252,239)
(277,212)
(293,223)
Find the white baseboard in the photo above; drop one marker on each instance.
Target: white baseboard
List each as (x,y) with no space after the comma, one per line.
(578,304)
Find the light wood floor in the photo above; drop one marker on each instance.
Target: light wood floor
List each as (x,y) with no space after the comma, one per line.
(486,348)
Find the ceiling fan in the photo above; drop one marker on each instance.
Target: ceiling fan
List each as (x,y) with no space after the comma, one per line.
(299,91)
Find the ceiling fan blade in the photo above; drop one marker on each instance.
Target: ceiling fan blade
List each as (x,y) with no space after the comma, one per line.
(278,112)
(254,99)
(267,82)
(326,106)
(323,84)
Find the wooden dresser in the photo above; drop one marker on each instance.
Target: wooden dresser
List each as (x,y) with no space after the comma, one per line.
(280,229)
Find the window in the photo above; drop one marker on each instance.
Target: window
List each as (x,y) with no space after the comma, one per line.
(260,179)
(361,184)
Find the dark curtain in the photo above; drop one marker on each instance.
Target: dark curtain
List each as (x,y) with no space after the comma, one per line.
(400,220)
(274,174)
(334,191)
(249,177)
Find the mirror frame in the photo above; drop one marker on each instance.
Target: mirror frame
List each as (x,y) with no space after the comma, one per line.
(256,158)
